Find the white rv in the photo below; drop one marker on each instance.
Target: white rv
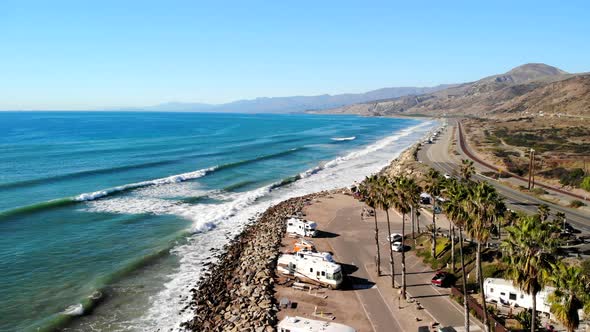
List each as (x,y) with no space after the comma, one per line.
(310,269)
(300,324)
(323,255)
(301,227)
(504,292)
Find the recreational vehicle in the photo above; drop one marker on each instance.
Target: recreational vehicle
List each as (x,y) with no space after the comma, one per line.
(301,227)
(310,269)
(504,292)
(323,255)
(300,324)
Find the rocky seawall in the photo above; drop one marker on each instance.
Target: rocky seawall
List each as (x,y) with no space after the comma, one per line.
(237,292)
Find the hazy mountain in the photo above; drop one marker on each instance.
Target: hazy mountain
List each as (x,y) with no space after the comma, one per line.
(514,90)
(296,103)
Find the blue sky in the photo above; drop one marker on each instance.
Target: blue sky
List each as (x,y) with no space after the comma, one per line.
(95,54)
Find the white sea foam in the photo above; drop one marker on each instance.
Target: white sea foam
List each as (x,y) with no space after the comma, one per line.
(167,180)
(74,310)
(339,139)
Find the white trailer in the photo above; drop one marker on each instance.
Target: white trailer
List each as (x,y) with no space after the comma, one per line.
(310,269)
(504,292)
(301,227)
(300,324)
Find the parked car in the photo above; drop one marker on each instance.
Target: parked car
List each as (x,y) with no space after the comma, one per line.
(446,329)
(437,209)
(441,279)
(395,237)
(397,246)
(447,176)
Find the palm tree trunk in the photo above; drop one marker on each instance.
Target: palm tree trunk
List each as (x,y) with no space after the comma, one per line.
(413,219)
(403,256)
(377,244)
(433,250)
(534,313)
(481,289)
(477,263)
(390,250)
(465,303)
(452,235)
(418,220)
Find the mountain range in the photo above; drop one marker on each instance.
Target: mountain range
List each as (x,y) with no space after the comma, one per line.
(533,88)
(296,103)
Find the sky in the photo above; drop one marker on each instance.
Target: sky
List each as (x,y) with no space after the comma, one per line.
(67,55)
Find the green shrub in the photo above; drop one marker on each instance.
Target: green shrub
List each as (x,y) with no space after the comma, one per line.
(585,183)
(494,270)
(577,204)
(538,191)
(572,178)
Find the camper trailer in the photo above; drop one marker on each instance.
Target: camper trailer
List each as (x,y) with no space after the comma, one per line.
(504,292)
(301,227)
(311,269)
(300,324)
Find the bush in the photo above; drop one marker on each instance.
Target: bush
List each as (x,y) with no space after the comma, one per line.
(572,178)
(538,191)
(494,270)
(585,183)
(577,204)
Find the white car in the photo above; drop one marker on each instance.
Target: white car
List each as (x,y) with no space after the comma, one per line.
(447,176)
(395,237)
(397,247)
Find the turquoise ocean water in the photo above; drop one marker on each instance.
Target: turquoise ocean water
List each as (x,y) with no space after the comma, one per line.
(107,218)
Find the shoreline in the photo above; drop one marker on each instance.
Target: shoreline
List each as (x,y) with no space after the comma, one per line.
(237,292)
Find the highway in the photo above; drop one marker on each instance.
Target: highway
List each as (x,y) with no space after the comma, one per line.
(437,156)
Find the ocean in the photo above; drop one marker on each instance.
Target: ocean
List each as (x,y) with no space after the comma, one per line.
(107,219)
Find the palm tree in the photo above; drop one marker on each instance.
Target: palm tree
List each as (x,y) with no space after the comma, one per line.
(530,249)
(368,190)
(543,211)
(569,295)
(467,169)
(407,195)
(433,188)
(455,211)
(384,190)
(484,207)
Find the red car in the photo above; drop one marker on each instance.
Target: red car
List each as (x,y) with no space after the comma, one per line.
(440,279)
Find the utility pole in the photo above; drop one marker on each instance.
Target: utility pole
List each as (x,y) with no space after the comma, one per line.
(531,157)
(534,166)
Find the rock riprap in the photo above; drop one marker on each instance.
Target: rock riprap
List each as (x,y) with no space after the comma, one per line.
(237,292)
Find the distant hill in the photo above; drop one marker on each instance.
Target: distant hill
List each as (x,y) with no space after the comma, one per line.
(296,103)
(527,88)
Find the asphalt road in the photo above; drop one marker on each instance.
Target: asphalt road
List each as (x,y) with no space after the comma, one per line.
(437,155)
